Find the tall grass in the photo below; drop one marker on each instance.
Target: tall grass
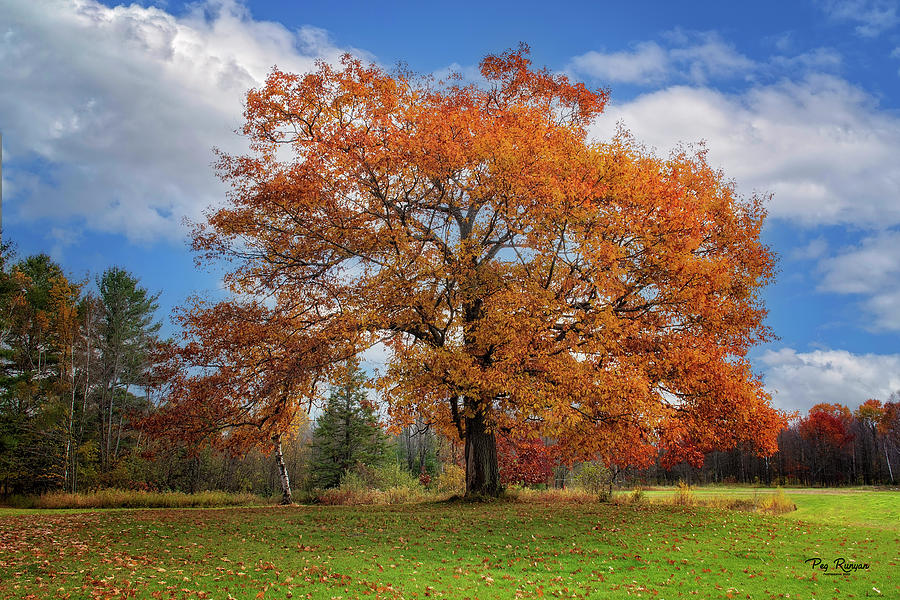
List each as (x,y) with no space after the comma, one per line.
(349,496)
(354,491)
(684,495)
(114,498)
(776,504)
(564,495)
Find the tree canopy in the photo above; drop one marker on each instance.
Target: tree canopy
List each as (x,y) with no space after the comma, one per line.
(521,275)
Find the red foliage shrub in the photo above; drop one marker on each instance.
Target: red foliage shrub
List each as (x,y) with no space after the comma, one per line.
(527,461)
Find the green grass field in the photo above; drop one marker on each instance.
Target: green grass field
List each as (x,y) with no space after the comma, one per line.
(459,550)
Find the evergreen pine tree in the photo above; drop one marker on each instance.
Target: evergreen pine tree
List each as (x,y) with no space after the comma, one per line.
(347,432)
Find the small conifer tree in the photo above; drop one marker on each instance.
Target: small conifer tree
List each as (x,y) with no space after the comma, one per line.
(347,432)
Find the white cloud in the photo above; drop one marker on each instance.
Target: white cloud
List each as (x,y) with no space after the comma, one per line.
(783,41)
(871,269)
(800,380)
(469,74)
(710,57)
(110,114)
(376,357)
(696,58)
(62,238)
(811,251)
(821,145)
(864,268)
(691,56)
(647,63)
(872,17)
(818,59)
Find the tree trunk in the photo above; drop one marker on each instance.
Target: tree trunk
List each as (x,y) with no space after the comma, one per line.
(119,434)
(348,450)
(888,461)
(70,430)
(112,400)
(482,470)
(408,439)
(87,380)
(286,496)
(70,451)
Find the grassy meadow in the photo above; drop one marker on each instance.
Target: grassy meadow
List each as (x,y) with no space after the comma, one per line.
(504,549)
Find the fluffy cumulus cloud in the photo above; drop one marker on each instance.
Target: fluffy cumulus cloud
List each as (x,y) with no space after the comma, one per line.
(695,57)
(110,114)
(798,380)
(870,17)
(872,270)
(820,145)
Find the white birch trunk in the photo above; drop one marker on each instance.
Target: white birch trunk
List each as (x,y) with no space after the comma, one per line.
(286,496)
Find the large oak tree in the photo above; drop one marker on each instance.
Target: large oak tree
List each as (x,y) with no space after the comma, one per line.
(522,275)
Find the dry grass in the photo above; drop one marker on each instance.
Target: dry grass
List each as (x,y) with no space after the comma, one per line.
(776,504)
(683,495)
(635,498)
(724,503)
(351,496)
(564,495)
(113,498)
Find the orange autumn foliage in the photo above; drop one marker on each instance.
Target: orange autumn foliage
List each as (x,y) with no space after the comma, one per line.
(870,413)
(518,272)
(235,381)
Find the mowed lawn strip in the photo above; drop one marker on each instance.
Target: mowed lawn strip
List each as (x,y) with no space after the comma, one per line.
(445,550)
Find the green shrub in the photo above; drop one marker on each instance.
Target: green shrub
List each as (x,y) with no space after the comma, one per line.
(386,484)
(383,477)
(20,501)
(393,476)
(357,479)
(594,478)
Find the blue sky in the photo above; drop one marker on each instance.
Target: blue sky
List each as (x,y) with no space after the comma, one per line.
(109,114)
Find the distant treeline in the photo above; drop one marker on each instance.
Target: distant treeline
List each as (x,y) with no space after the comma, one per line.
(830,445)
